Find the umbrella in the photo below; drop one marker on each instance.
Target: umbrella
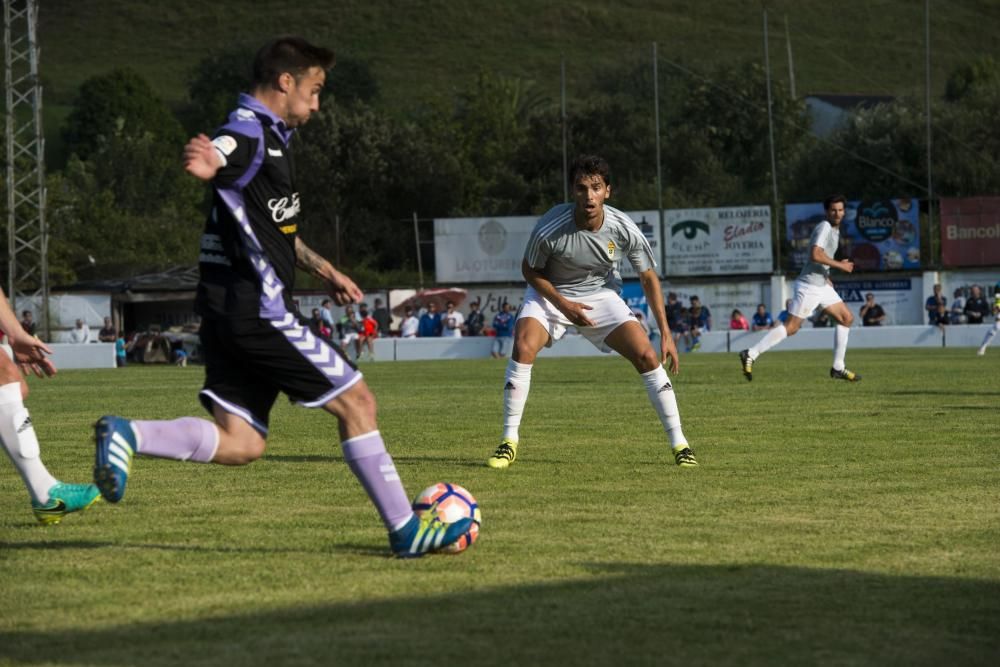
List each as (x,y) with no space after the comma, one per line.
(439,295)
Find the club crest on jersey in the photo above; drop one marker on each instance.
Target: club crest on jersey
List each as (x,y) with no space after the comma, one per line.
(611,249)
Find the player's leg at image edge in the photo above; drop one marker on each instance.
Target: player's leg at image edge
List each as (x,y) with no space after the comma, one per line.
(988,338)
(51,499)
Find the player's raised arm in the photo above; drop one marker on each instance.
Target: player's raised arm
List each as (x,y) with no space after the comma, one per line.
(341,289)
(573,310)
(201,159)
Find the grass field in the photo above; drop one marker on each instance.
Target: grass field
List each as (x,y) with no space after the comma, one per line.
(827,524)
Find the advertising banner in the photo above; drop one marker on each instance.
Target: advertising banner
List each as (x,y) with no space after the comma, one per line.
(490,250)
(722,299)
(901,299)
(480,250)
(970,231)
(876,234)
(718,241)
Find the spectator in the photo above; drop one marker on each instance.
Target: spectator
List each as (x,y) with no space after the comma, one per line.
(318,327)
(503,325)
(762,319)
(682,329)
(381,315)
(933,301)
(673,308)
(872,314)
(976,307)
(821,320)
(958,308)
(349,329)
(368,332)
(107,333)
(28,322)
(941,317)
(410,324)
(178,353)
(474,322)
(81,334)
(783,315)
(452,321)
(120,352)
(430,322)
(640,317)
(326,312)
(701,321)
(739,323)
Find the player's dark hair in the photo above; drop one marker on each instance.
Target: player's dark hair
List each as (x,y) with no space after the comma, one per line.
(834,199)
(288,54)
(589,165)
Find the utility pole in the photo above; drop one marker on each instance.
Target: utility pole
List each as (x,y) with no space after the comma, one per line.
(791,64)
(565,130)
(27,233)
(774,163)
(659,170)
(930,180)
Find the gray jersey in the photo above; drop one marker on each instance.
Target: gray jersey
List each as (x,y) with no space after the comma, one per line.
(827,238)
(579,262)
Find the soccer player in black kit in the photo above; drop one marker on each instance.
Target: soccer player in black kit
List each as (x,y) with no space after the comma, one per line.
(255,344)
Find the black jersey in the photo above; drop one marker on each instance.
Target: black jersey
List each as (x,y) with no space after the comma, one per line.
(247,260)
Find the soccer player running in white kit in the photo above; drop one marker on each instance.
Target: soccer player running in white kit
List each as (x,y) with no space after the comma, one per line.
(570,264)
(988,338)
(813,290)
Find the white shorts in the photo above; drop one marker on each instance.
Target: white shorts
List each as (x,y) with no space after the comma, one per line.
(608,312)
(349,338)
(809,297)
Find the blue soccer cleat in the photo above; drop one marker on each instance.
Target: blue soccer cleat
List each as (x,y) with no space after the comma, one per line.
(65,499)
(116,445)
(423,535)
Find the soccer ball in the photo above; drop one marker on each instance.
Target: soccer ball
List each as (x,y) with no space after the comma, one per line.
(451,502)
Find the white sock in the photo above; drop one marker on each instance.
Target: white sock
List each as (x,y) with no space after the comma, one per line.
(840,335)
(773,337)
(21,444)
(661,395)
(516,383)
(989,336)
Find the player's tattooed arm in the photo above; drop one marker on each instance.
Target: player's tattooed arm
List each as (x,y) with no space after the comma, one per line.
(341,288)
(308,260)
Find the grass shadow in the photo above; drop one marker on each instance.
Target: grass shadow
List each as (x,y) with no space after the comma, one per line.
(618,613)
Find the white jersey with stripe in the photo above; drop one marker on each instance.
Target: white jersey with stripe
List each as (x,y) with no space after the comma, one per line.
(828,238)
(579,262)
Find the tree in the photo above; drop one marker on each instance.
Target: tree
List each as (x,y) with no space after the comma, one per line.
(976,77)
(216,81)
(123,101)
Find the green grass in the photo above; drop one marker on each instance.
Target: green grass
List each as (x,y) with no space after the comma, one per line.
(828,523)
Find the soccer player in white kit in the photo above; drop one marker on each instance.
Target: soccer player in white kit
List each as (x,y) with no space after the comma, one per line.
(988,338)
(813,290)
(570,264)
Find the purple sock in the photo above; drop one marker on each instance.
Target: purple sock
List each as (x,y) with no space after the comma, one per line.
(372,465)
(187,438)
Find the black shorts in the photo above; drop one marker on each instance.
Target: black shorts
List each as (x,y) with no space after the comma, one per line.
(249,361)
